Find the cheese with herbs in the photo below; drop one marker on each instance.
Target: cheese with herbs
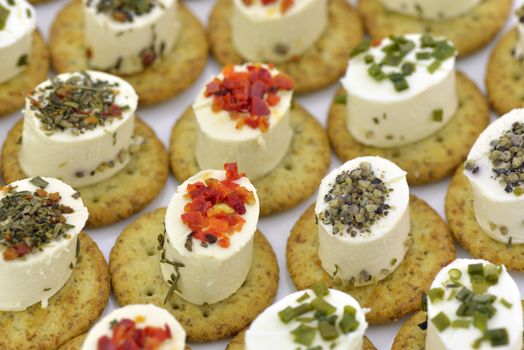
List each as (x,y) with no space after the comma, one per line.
(437,10)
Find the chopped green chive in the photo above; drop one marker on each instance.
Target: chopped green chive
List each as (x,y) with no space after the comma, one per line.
(323,306)
(341,99)
(441,321)
(506,303)
(304,334)
(361,48)
(423,56)
(22,61)
(497,337)
(327,330)
(432,68)
(454,274)
(320,288)
(303,297)
(435,294)
(39,182)
(480,321)
(461,324)
(438,115)
(290,313)
(4,14)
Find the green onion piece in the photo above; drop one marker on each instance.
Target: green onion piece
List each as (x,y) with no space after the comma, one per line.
(480,321)
(375,71)
(497,337)
(479,287)
(408,68)
(320,288)
(432,68)
(305,319)
(323,306)
(303,297)
(348,323)
(441,321)
(491,273)
(424,302)
(400,85)
(461,324)
(487,309)
(290,313)
(477,343)
(304,334)
(443,50)
(454,274)
(423,56)
(327,330)
(427,40)
(476,269)
(506,303)
(369,59)
(484,298)
(436,294)
(466,309)
(341,99)
(4,14)
(464,294)
(361,48)
(350,310)
(438,116)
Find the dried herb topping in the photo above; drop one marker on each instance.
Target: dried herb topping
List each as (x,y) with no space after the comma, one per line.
(285,5)
(125,10)
(127,335)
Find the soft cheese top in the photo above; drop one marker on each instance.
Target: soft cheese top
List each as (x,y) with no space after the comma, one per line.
(263,9)
(17,18)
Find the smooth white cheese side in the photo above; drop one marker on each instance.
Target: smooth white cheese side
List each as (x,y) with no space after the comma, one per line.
(262,33)
(149,315)
(267,329)
(75,158)
(39,275)
(118,46)
(437,10)
(378,252)
(493,206)
(214,273)
(255,152)
(380,116)
(460,338)
(16,38)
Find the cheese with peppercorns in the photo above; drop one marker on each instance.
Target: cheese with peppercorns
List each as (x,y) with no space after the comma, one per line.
(363,218)
(208,244)
(437,10)
(17,24)
(276,30)
(79,127)
(137,327)
(40,219)
(495,170)
(400,89)
(243,116)
(127,36)
(474,304)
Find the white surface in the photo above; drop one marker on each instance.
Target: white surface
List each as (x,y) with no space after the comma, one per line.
(276,227)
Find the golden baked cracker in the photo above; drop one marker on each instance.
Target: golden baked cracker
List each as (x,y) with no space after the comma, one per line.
(464,226)
(137,279)
(469,32)
(319,66)
(13,92)
(398,294)
(76,343)
(291,182)
(118,197)
(157,83)
(429,159)
(70,312)
(505,76)
(237,343)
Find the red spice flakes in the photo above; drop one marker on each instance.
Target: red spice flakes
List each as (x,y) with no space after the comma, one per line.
(248,96)
(16,251)
(284,5)
(215,211)
(376,42)
(126,336)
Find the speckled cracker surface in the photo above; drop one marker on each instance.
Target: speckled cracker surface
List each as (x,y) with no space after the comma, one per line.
(319,66)
(172,75)
(463,224)
(398,294)
(469,32)
(70,312)
(13,92)
(137,279)
(429,159)
(505,76)
(125,193)
(296,177)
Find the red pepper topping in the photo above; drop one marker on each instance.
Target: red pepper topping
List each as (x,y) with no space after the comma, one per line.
(284,5)
(215,211)
(247,96)
(126,336)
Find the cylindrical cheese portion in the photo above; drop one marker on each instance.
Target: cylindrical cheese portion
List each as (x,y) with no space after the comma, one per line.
(507,306)
(17,23)
(379,115)
(84,158)
(364,256)
(268,329)
(210,273)
(123,41)
(37,276)
(498,207)
(438,10)
(269,33)
(256,152)
(146,315)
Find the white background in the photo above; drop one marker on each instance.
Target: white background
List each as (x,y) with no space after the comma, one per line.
(277,227)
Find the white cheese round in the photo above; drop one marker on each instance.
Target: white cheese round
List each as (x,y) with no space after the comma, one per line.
(437,10)
(128,47)
(39,275)
(268,330)
(144,315)
(84,159)
(210,274)
(219,141)
(368,256)
(15,36)
(498,212)
(263,33)
(380,116)
(462,338)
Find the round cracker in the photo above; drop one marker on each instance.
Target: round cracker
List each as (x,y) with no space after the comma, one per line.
(505,76)
(125,193)
(76,343)
(461,219)
(291,182)
(319,66)
(398,294)
(13,92)
(137,279)
(173,74)
(430,159)
(237,343)
(469,32)
(70,312)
